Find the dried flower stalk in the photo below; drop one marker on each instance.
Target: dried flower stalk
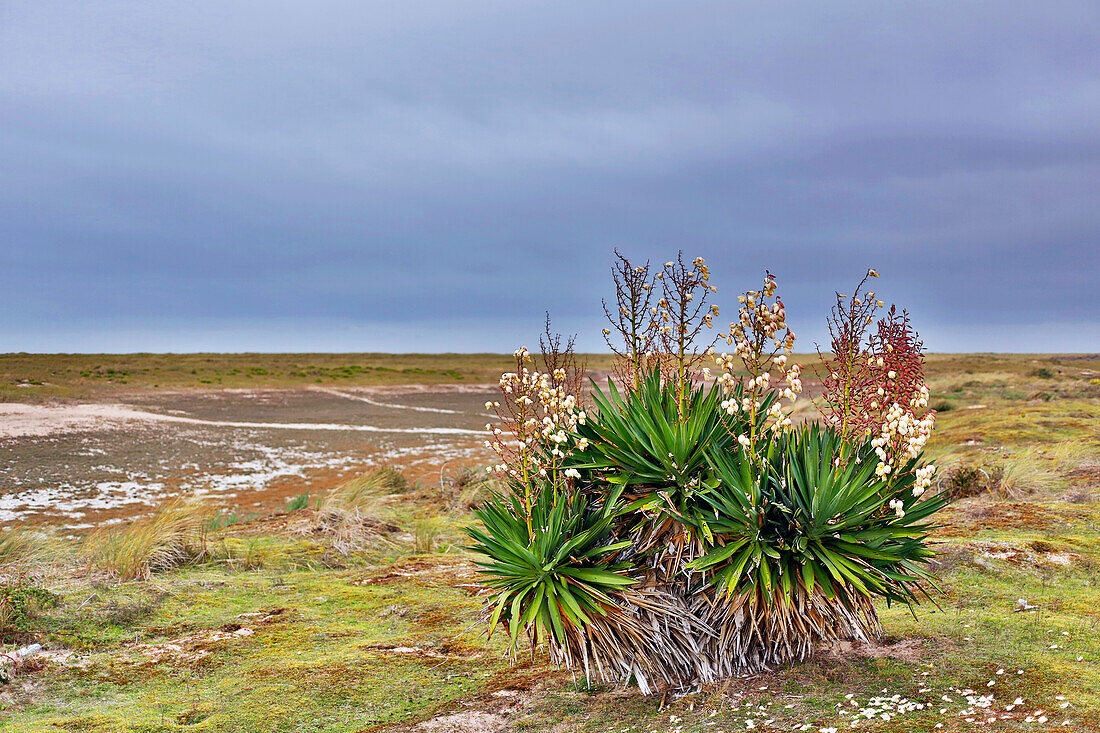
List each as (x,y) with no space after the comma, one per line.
(632,320)
(683,313)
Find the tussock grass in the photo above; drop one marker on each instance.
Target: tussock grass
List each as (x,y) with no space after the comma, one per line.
(1037,469)
(1070,455)
(467,490)
(24,556)
(363,492)
(349,513)
(171,537)
(426,531)
(1025,473)
(25,549)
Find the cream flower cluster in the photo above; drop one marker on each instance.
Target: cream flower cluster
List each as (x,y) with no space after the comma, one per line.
(762,340)
(920,401)
(901,438)
(561,411)
(667,322)
(756,316)
(793,378)
(539,443)
(924,479)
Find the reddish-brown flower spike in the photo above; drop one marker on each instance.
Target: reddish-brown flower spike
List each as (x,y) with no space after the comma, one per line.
(866,373)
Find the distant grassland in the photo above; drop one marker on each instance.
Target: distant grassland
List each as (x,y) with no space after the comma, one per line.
(40,377)
(34,377)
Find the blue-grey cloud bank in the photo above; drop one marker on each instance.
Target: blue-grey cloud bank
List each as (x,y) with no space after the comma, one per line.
(364,176)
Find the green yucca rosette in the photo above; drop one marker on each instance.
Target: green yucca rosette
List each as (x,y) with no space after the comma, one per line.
(560,577)
(814,513)
(637,439)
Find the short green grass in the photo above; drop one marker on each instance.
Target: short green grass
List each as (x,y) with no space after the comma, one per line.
(324,661)
(327,659)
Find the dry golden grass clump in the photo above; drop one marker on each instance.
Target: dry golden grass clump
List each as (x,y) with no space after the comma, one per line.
(1025,473)
(1073,455)
(25,556)
(171,537)
(346,513)
(1012,473)
(364,491)
(426,532)
(25,549)
(466,490)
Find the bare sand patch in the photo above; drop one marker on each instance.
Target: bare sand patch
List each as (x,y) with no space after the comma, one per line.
(18,420)
(468,722)
(22,420)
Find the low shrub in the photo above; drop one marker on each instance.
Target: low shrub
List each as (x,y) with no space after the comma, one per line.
(21,600)
(963,482)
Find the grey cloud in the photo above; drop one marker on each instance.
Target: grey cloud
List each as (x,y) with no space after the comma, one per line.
(169,167)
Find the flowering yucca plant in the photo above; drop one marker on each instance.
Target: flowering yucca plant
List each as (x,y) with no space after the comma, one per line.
(682,529)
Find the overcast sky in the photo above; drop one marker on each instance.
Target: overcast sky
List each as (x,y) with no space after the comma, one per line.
(366,176)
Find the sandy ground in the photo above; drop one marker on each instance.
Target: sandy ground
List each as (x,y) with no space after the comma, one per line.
(21,421)
(17,420)
(82,465)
